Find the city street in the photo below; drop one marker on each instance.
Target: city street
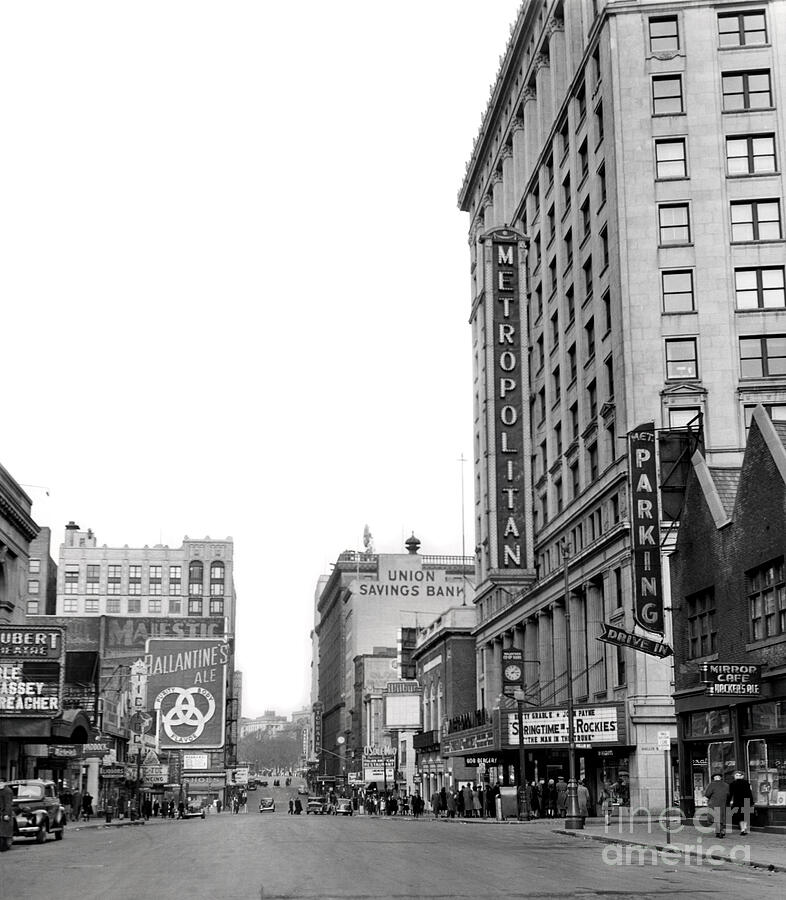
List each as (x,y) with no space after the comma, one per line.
(280,856)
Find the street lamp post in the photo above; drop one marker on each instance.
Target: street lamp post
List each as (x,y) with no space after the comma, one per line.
(572,819)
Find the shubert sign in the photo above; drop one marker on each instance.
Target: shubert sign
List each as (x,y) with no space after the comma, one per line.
(186,685)
(31,671)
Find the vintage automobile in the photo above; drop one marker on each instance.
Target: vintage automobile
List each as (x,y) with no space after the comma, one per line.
(316,805)
(267,804)
(37,810)
(302,790)
(342,807)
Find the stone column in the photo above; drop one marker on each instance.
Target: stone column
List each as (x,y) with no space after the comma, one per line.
(519,160)
(532,672)
(508,193)
(596,649)
(560,656)
(545,101)
(558,56)
(529,100)
(546,656)
(578,625)
(498,196)
(496,652)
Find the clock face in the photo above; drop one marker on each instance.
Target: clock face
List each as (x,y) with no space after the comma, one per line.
(512,673)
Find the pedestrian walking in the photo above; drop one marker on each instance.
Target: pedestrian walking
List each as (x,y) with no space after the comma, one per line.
(218,805)
(6,817)
(298,806)
(291,806)
(87,806)
(741,802)
(172,808)
(435,804)
(562,796)
(451,805)
(76,805)
(534,800)
(583,796)
(717,794)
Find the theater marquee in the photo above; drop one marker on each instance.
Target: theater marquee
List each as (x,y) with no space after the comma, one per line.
(31,671)
(507,362)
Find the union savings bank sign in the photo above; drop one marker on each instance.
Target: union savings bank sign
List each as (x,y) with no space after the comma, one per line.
(506,363)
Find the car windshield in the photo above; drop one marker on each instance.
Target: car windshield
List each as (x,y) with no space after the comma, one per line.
(28,791)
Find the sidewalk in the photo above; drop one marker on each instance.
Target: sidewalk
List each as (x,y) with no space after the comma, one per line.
(758,848)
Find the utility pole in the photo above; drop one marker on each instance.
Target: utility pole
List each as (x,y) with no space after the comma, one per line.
(572,819)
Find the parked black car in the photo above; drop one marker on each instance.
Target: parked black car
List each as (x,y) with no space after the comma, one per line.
(37,810)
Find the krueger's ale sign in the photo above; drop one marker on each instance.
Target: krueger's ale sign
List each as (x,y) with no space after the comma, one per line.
(647,578)
(509,387)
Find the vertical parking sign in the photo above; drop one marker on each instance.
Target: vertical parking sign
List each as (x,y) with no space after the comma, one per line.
(186,685)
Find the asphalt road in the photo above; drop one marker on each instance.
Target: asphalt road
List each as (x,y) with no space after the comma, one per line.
(263,856)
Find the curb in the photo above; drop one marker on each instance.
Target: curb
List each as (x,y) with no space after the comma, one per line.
(672,848)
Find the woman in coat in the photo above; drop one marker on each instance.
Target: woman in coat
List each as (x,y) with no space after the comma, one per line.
(583,796)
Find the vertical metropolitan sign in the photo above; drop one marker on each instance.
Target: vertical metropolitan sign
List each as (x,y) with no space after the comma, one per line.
(186,685)
(509,383)
(645,532)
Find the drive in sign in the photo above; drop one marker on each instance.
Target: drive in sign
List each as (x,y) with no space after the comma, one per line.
(186,684)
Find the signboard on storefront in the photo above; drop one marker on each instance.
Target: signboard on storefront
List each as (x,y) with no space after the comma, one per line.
(186,685)
(196,761)
(31,671)
(613,635)
(591,725)
(113,771)
(645,529)
(488,759)
(731,679)
(206,781)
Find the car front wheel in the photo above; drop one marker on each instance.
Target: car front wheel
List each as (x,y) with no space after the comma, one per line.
(59,833)
(40,835)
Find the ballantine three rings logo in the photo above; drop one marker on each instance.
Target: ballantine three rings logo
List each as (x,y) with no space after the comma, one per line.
(185,712)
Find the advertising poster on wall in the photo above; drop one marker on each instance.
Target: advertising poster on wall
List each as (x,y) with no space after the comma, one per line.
(186,685)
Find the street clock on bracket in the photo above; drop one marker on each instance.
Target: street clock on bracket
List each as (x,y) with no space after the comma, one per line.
(512,669)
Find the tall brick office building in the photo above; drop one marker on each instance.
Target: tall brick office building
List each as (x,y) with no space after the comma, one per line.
(629,155)
(729,609)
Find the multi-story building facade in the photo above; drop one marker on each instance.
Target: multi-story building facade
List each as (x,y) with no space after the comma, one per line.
(729,602)
(444,660)
(41,576)
(364,603)
(193,580)
(627,175)
(17,530)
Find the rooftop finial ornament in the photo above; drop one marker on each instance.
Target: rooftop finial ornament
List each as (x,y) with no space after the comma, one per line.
(368,540)
(412,544)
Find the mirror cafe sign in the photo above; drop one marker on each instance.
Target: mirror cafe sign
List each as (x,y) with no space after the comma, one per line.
(31,671)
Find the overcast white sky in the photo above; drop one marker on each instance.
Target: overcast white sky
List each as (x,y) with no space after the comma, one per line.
(234,283)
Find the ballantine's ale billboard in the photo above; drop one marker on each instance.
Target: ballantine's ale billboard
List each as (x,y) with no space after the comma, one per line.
(186,684)
(645,531)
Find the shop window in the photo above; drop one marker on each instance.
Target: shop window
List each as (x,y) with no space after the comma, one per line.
(767,770)
(708,722)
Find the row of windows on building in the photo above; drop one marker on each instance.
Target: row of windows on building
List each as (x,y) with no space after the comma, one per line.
(115,606)
(766,595)
(127,579)
(495,603)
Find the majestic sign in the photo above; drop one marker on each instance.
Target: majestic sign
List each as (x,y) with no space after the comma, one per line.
(591,725)
(31,671)
(507,365)
(645,529)
(186,685)
(613,635)
(731,679)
